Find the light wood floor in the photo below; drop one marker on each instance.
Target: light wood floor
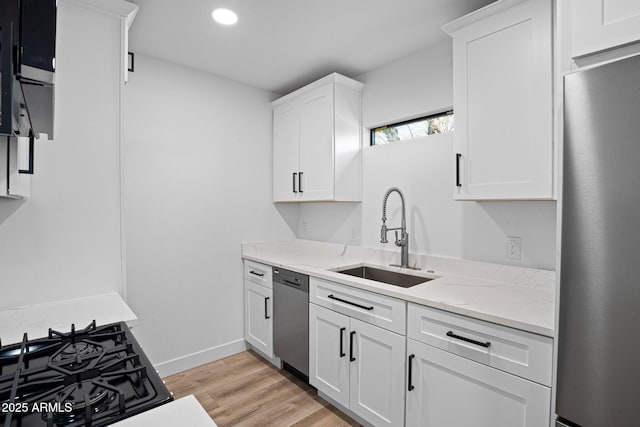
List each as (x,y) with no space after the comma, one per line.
(245,390)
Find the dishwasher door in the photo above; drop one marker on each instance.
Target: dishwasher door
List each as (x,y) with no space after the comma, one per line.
(291,319)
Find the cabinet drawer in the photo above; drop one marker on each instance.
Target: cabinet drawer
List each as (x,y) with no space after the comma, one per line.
(379,310)
(521,353)
(258,273)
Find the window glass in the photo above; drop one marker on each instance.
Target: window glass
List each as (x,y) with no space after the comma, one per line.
(411,129)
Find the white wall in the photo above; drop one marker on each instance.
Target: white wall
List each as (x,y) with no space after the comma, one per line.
(64,241)
(423,169)
(197,183)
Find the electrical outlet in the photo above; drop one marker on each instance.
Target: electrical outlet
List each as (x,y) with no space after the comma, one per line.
(514,248)
(305,228)
(354,236)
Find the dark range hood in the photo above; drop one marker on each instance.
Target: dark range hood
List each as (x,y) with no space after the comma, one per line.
(27,67)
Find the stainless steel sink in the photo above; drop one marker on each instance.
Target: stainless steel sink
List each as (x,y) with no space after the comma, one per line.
(385,276)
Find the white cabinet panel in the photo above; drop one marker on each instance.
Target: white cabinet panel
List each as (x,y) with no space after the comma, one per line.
(503,139)
(377,375)
(286,152)
(329,353)
(599,25)
(316,144)
(13,184)
(452,391)
(258,322)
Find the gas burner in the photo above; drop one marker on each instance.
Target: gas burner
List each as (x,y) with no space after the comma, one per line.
(73,350)
(71,403)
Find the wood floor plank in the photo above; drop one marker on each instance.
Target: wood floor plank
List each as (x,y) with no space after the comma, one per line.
(246,390)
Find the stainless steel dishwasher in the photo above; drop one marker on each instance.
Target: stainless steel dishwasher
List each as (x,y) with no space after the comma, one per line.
(291,320)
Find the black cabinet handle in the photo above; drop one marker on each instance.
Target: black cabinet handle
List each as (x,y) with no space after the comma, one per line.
(29,170)
(458,184)
(255,273)
(351,358)
(349,302)
(411,387)
(300,182)
(342,353)
(469,340)
(294,182)
(266,316)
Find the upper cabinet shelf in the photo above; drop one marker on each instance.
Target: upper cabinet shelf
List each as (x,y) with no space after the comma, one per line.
(317,142)
(599,25)
(503,82)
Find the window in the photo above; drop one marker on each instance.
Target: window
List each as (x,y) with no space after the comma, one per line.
(411,129)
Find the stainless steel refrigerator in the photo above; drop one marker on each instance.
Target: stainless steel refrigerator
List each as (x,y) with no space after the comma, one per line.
(599,323)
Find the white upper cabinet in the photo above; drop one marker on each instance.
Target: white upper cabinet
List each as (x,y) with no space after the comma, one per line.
(317,142)
(503,82)
(599,25)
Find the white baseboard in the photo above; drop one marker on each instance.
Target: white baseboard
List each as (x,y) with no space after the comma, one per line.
(198,358)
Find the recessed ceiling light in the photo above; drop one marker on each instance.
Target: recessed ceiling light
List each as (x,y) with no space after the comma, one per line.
(224,16)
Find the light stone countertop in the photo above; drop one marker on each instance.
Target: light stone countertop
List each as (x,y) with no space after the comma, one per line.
(36,319)
(517,297)
(186,411)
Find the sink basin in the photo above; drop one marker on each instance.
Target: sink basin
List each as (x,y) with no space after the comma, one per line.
(385,276)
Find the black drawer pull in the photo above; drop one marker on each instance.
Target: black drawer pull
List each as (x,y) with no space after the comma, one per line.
(411,387)
(351,358)
(294,182)
(266,316)
(342,353)
(458,184)
(349,302)
(300,182)
(255,273)
(469,340)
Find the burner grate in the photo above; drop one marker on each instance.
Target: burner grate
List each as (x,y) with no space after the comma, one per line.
(88,377)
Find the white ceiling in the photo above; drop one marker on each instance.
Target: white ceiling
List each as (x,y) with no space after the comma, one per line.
(281,45)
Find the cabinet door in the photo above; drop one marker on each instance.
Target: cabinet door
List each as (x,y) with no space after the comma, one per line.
(450,390)
(603,24)
(329,353)
(503,104)
(316,144)
(258,322)
(377,375)
(286,151)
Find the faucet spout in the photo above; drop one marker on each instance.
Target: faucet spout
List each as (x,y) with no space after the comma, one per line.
(402,240)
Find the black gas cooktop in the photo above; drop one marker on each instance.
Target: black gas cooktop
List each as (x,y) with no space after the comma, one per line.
(90,377)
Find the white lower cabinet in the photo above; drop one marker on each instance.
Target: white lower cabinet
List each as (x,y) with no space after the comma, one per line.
(258,322)
(359,365)
(328,348)
(450,390)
